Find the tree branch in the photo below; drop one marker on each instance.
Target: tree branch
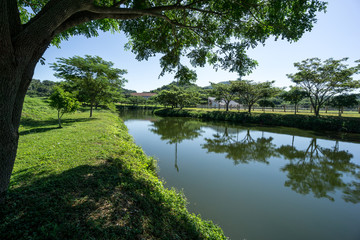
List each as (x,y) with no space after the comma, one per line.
(107,12)
(83,17)
(54,13)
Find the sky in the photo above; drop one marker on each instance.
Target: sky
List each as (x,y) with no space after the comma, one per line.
(335,35)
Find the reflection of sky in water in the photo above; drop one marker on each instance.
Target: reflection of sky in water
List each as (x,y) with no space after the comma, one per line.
(249,200)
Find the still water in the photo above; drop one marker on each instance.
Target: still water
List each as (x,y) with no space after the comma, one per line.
(257,183)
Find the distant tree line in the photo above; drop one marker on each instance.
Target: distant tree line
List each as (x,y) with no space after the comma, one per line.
(318,84)
(40,88)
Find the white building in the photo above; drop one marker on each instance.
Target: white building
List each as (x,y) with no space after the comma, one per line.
(215,104)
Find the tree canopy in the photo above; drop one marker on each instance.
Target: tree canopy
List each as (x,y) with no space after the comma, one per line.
(94,79)
(344,100)
(178,96)
(218,32)
(40,88)
(323,80)
(224,92)
(294,96)
(250,92)
(63,102)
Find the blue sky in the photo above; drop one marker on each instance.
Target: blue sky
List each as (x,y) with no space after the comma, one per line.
(336,35)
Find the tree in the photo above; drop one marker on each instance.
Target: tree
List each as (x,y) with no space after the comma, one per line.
(63,102)
(187,98)
(136,100)
(294,96)
(168,97)
(266,103)
(345,100)
(214,31)
(250,92)
(224,92)
(94,79)
(323,80)
(178,96)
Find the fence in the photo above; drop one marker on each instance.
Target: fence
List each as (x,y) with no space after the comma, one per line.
(283,108)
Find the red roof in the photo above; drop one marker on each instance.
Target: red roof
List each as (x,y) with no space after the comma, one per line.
(144,94)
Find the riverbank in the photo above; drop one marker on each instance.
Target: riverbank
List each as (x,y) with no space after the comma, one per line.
(89,180)
(322,123)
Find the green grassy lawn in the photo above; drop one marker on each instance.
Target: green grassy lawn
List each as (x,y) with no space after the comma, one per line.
(88,180)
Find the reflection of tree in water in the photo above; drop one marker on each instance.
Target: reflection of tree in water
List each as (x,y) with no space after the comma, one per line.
(320,170)
(176,130)
(352,189)
(139,114)
(241,151)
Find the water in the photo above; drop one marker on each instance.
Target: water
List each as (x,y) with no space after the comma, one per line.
(255,182)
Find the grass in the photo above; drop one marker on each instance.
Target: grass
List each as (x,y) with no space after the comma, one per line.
(89,180)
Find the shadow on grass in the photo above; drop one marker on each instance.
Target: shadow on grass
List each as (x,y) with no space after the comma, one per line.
(47,125)
(92,202)
(27,175)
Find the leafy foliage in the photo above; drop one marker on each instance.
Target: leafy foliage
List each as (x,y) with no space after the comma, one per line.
(249,92)
(294,96)
(223,92)
(94,79)
(39,88)
(63,102)
(217,32)
(177,96)
(135,100)
(345,100)
(266,103)
(323,80)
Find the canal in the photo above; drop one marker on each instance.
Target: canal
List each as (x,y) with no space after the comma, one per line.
(258,182)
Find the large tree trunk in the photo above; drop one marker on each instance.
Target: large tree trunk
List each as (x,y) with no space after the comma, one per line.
(14,81)
(8,147)
(17,64)
(11,100)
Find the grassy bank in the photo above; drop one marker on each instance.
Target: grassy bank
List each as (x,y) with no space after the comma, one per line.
(89,180)
(325,123)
